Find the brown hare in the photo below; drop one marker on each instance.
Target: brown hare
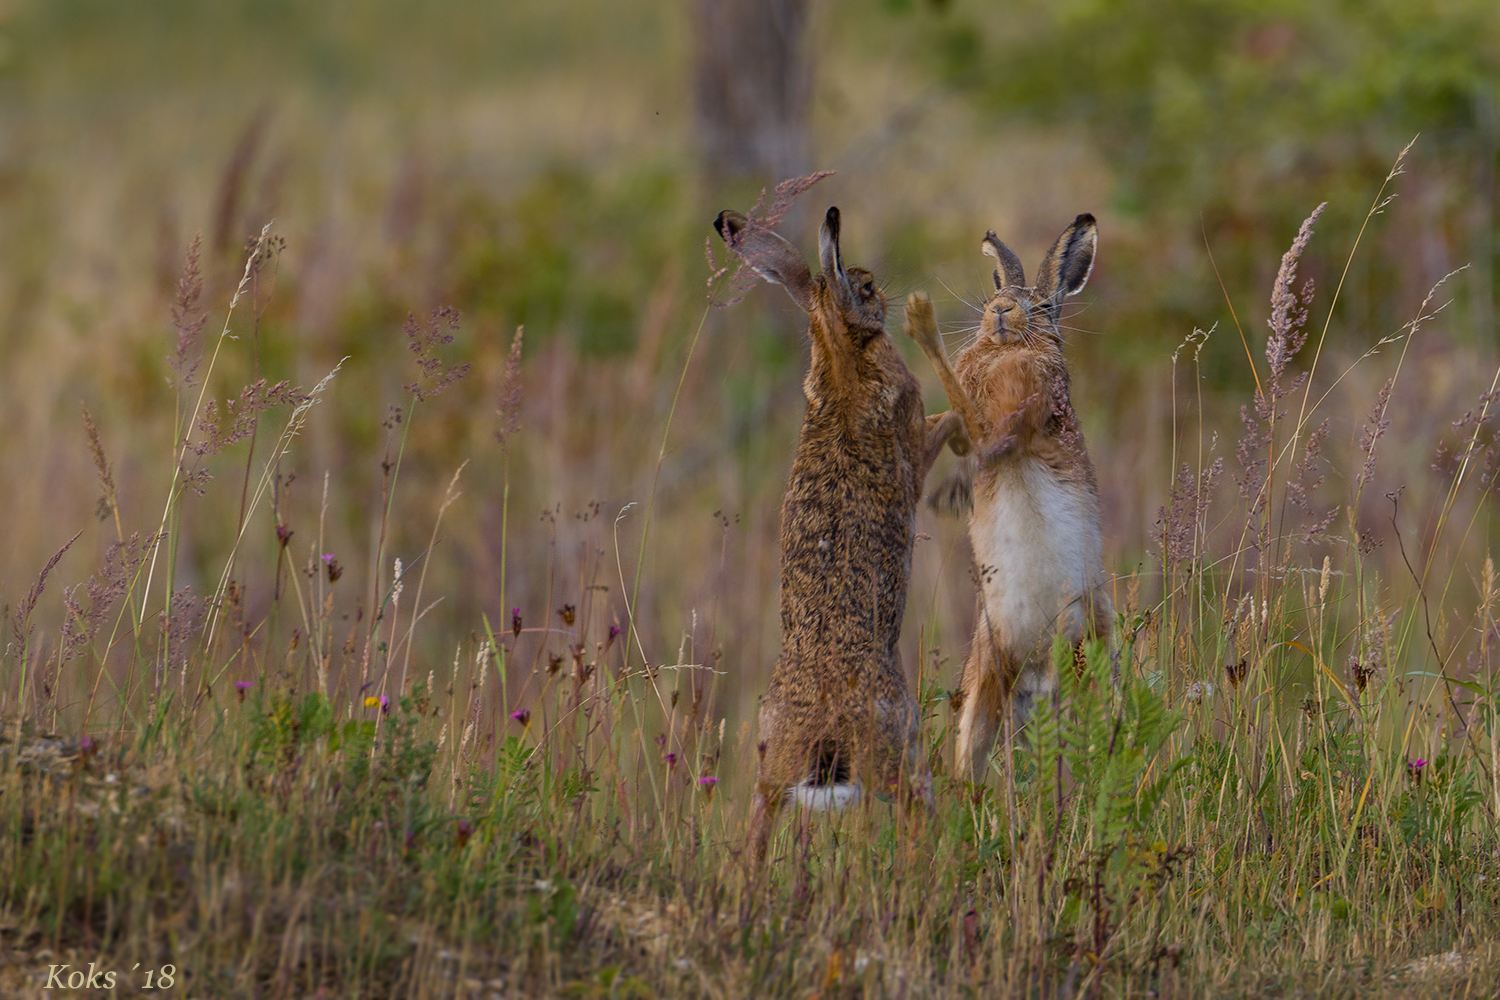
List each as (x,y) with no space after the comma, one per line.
(1034,527)
(838,718)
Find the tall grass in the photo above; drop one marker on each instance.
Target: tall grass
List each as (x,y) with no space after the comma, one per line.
(1281,777)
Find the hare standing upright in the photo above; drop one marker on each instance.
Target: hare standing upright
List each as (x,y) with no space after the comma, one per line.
(1035,522)
(838,715)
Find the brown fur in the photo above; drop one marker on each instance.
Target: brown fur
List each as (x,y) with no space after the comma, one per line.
(1035,521)
(838,704)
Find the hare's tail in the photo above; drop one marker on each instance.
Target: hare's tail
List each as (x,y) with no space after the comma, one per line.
(828,785)
(826,798)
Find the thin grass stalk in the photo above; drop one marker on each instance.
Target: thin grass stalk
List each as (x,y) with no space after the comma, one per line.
(388,501)
(293,428)
(1376,207)
(185,432)
(661,456)
(626,692)
(509,412)
(449,496)
(323,639)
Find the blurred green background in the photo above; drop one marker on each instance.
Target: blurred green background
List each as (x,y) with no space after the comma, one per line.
(557,165)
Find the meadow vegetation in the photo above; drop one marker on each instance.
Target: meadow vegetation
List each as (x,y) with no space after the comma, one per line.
(360,645)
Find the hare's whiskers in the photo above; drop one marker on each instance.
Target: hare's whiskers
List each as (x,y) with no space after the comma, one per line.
(967,336)
(949,289)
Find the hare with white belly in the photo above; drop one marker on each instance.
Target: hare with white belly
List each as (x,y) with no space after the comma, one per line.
(838,717)
(1034,527)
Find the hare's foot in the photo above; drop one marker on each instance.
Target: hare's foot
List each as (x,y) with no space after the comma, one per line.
(916,792)
(1031,686)
(977,726)
(762,821)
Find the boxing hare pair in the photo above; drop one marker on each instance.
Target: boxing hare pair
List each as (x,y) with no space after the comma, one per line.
(838,714)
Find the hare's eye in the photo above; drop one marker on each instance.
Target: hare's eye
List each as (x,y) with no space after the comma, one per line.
(868,289)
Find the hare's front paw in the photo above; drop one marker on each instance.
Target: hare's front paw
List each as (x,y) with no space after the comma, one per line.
(947,427)
(921,323)
(959,442)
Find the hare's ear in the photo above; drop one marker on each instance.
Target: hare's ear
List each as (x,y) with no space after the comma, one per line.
(832,259)
(768,255)
(1066,268)
(1008,272)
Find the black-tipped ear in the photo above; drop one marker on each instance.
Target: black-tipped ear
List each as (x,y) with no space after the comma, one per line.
(728,224)
(829,254)
(1008,272)
(768,255)
(1066,268)
(832,258)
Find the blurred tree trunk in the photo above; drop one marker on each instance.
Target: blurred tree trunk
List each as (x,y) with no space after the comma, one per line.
(752,81)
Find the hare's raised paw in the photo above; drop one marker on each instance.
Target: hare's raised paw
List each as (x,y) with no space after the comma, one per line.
(921,326)
(921,323)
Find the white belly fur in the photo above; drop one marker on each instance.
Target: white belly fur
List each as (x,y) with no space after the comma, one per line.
(1036,543)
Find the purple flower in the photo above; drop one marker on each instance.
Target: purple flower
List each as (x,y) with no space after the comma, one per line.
(522,715)
(464,832)
(331,564)
(1414,769)
(671,760)
(515,621)
(240,687)
(708,781)
(661,740)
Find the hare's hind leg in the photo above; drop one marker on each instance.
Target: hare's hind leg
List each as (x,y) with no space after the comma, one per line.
(771,778)
(900,765)
(1101,622)
(983,699)
(1033,683)
(763,816)
(916,790)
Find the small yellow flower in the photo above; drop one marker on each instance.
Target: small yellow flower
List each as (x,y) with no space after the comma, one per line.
(371,701)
